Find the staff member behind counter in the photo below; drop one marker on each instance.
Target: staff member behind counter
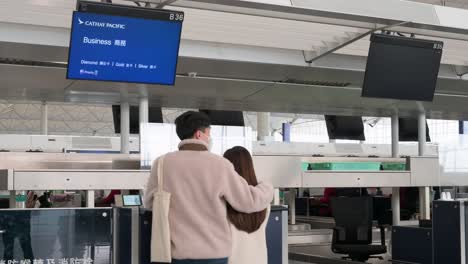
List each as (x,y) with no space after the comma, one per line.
(201,184)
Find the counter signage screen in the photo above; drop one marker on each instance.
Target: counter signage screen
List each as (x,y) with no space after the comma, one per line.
(124,49)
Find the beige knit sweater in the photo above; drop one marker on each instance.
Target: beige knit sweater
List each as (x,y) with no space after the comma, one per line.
(200,184)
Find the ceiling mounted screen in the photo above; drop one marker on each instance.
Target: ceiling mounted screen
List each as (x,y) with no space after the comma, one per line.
(154,116)
(225,118)
(402,68)
(124,44)
(345,127)
(408,130)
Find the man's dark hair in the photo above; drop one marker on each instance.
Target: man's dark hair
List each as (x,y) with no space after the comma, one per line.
(190,122)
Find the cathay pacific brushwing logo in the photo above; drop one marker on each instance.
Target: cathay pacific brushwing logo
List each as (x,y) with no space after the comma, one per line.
(90,23)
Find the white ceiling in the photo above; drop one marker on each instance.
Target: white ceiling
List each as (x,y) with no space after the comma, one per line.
(450,3)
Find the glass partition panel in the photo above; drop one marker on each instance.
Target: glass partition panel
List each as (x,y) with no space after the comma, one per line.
(55,236)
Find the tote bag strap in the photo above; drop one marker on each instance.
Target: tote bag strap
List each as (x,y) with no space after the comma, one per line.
(160,173)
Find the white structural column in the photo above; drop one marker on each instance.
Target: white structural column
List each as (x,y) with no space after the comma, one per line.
(124,128)
(263,126)
(90,198)
(144,116)
(424,200)
(144,111)
(44,118)
(395,136)
(264,134)
(292,205)
(395,154)
(90,194)
(276,197)
(422,134)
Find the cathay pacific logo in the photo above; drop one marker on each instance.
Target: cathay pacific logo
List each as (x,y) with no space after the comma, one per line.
(100,24)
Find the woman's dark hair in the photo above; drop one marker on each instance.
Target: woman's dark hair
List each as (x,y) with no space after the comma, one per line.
(243,164)
(190,122)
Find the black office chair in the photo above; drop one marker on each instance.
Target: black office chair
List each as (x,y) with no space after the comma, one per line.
(352,234)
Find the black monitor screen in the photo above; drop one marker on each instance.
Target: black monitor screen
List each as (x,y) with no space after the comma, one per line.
(154,116)
(225,118)
(408,130)
(402,68)
(345,127)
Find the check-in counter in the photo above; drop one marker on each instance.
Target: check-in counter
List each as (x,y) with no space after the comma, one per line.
(445,242)
(134,239)
(449,225)
(412,244)
(98,236)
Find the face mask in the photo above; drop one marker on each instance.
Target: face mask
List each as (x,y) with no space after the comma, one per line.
(210,142)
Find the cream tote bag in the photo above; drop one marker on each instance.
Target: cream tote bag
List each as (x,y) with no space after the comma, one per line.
(160,233)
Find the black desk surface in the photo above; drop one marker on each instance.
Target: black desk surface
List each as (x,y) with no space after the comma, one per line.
(278,208)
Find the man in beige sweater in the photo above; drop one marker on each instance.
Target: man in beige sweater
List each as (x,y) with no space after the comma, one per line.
(201,183)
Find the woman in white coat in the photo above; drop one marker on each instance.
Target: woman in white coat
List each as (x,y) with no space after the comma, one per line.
(248,230)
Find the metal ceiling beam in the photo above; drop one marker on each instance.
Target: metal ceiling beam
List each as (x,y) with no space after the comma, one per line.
(165,3)
(328,49)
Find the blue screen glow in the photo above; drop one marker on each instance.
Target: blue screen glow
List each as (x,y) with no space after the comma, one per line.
(123,49)
(131,200)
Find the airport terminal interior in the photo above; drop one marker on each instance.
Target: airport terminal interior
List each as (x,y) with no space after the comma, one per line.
(353,110)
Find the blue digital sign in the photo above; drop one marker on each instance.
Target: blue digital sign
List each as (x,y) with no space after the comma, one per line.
(124,49)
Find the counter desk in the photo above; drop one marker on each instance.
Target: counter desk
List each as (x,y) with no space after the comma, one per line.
(98,236)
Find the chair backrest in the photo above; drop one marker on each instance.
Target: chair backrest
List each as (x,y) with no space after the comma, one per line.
(353,218)
(351,192)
